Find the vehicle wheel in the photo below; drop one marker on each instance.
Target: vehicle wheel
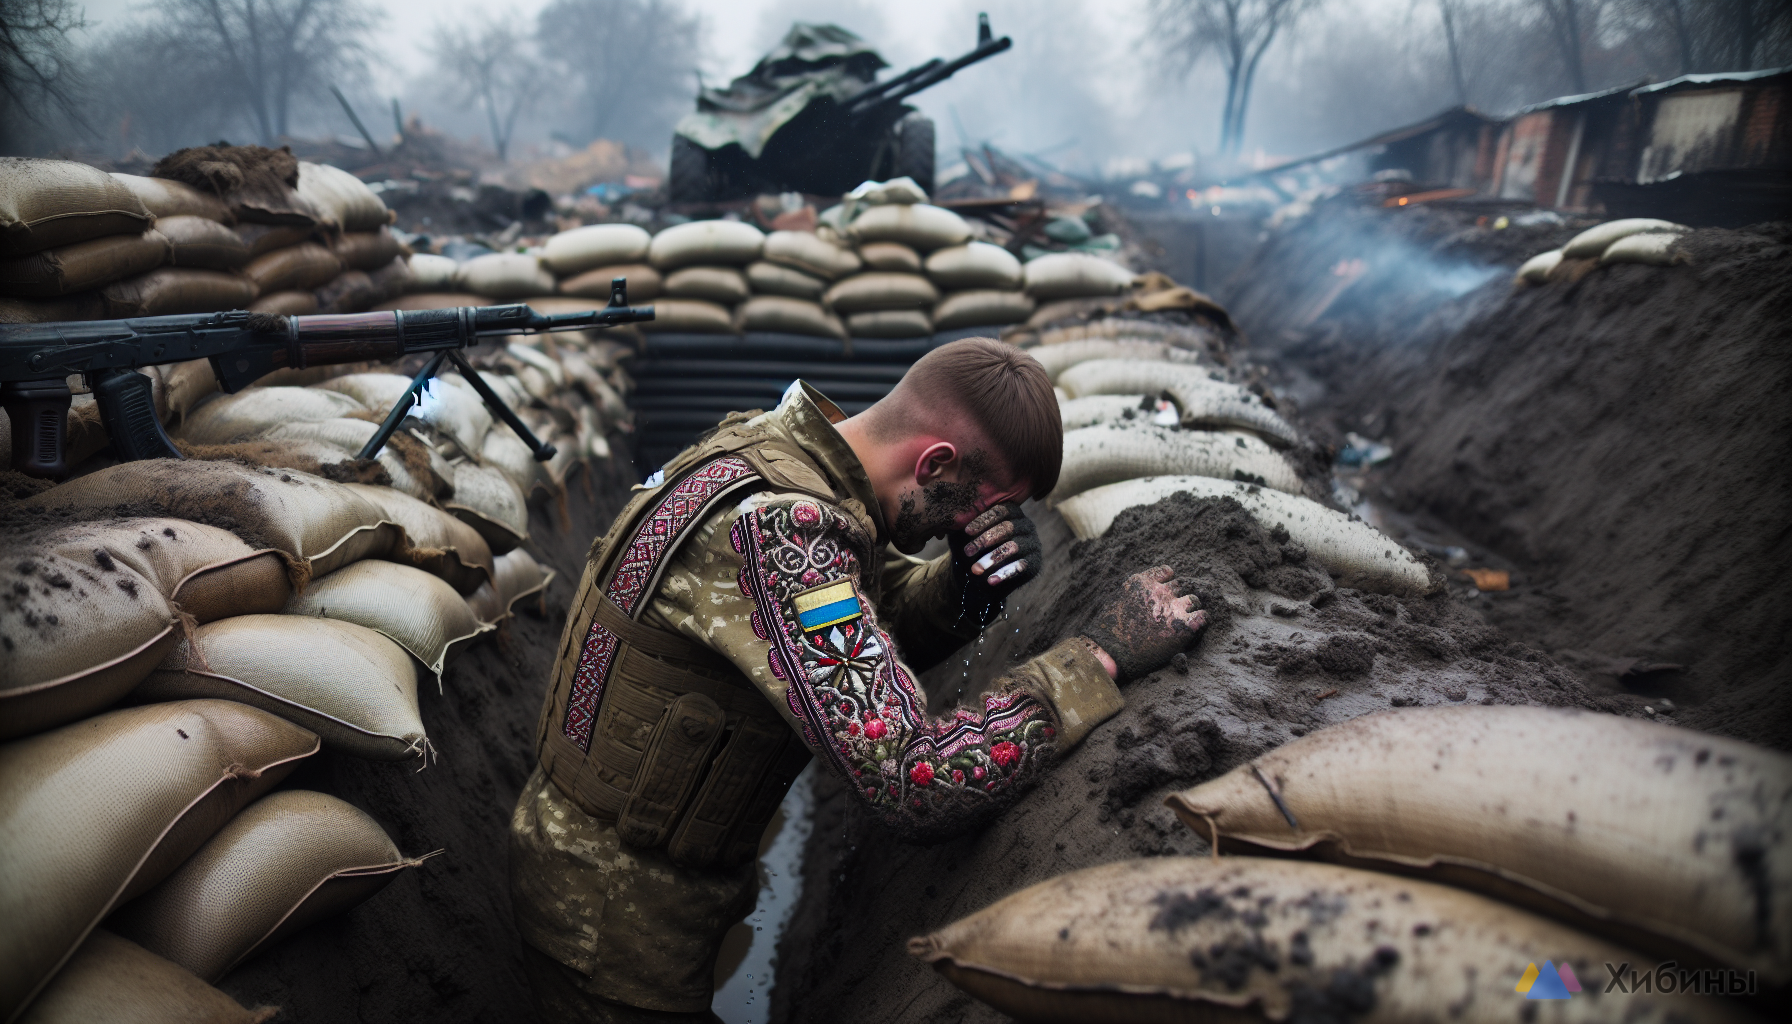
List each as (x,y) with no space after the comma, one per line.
(914,150)
(691,179)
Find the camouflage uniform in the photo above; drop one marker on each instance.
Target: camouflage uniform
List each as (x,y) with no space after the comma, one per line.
(803,599)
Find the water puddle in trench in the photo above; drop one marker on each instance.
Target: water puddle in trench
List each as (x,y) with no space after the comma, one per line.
(749,952)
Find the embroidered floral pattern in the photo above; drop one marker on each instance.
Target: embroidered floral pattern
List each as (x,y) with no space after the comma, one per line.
(860,708)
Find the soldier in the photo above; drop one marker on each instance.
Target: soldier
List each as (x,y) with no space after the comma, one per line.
(745,613)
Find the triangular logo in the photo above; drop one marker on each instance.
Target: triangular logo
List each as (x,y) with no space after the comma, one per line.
(1548,985)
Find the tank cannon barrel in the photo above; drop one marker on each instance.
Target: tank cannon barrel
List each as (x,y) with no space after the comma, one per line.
(925,76)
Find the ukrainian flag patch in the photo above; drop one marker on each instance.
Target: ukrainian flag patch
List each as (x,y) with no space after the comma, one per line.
(827,605)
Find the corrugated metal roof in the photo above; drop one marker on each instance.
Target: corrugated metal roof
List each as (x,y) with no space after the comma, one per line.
(1569,101)
(1713,79)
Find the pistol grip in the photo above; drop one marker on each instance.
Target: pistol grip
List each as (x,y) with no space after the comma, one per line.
(128,412)
(39,413)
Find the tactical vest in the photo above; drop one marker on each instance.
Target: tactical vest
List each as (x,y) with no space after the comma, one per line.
(649,729)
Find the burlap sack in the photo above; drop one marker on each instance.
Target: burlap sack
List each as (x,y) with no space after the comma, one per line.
(286,304)
(804,251)
(353,687)
(980,308)
(434,300)
(117,981)
(348,437)
(506,452)
(689,316)
(84,306)
(83,266)
(416,610)
(435,541)
(265,238)
(289,860)
(1241,939)
(253,411)
(889,323)
(788,316)
(165,198)
(486,499)
(717,242)
(1075,275)
(918,226)
(504,275)
(771,279)
(366,250)
(294,268)
(453,407)
(580,250)
(256,182)
(185,385)
(393,278)
(725,285)
(644,282)
(1112,452)
(877,290)
(94,814)
(206,244)
(49,203)
(431,273)
(976,265)
(171,290)
(892,256)
(516,575)
(346,203)
(351,291)
(1592,243)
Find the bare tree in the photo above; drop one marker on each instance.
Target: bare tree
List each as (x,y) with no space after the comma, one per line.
(1446,9)
(34,53)
(1715,35)
(1572,23)
(490,63)
(633,60)
(1238,32)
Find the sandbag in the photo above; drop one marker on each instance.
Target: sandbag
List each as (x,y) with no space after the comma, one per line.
(1642,832)
(203,243)
(890,256)
(785,315)
(1112,452)
(351,291)
(1351,550)
(84,306)
(171,290)
(366,250)
(1058,358)
(294,268)
(289,860)
(689,316)
(351,686)
(595,245)
(1077,413)
(723,242)
(717,284)
(253,411)
(1592,243)
(115,980)
(1242,939)
(504,275)
(49,203)
(437,542)
(889,323)
(975,265)
(434,300)
(980,308)
(452,406)
(516,575)
(805,252)
(644,282)
(771,279)
(348,437)
(1653,249)
(919,226)
(416,610)
(486,499)
(185,385)
(83,265)
(1536,269)
(881,290)
(265,238)
(506,452)
(346,203)
(1204,402)
(432,273)
(394,278)
(286,304)
(95,813)
(166,198)
(1124,329)
(1075,275)
(319,523)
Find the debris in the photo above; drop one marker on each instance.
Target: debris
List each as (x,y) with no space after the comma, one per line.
(1489,579)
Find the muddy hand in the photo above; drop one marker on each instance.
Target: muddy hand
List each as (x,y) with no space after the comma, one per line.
(1005,546)
(1147,625)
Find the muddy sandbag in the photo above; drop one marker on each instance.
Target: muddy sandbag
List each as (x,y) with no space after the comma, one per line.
(803,251)
(784,315)
(516,575)
(919,226)
(504,275)
(717,284)
(889,323)
(265,238)
(975,265)
(453,407)
(1351,550)
(724,242)
(881,290)
(286,304)
(351,291)
(486,499)
(95,813)
(1058,358)
(49,203)
(438,542)
(890,256)
(1592,243)
(1075,275)
(294,268)
(203,243)
(431,273)
(689,316)
(1077,413)
(415,609)
(644,282)
(288,861)
(1536,269)
(83,266)
(167,198)
(115,980)
(170,290)
(253,411)
(1112,452)
(257,183)
(346,202)
(1204,402)
(1640,831)
(318,522)
(354,688)
(434,300)
(185,385)
(771,279)
(596,245)
(1650,248)
(348,437)
(84,306)
(1123,329)
(981,308)
(366,250)
(506,452)
(1244,939)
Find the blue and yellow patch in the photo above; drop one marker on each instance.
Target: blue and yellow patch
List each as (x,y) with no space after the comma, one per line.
(827,605)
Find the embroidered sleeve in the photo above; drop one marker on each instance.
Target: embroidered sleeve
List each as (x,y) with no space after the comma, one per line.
(857,703)
(923,610)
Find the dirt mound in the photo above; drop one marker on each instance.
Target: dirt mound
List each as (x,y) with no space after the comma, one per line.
(223,168)
(1286,652)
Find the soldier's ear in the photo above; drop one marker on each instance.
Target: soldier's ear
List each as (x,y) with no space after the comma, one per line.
(936,462)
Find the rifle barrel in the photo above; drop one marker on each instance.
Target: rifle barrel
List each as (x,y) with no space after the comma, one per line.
(929,78)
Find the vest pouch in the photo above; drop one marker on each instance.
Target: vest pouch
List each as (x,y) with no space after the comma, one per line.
(671,766)
(727,793)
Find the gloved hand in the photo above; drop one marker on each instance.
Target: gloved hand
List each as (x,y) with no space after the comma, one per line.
(1146,625)
(993,556)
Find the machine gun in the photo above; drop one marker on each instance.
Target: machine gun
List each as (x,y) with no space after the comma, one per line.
(873,98)
(37,359)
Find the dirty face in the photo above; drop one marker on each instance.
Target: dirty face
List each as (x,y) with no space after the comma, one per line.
(951,502)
